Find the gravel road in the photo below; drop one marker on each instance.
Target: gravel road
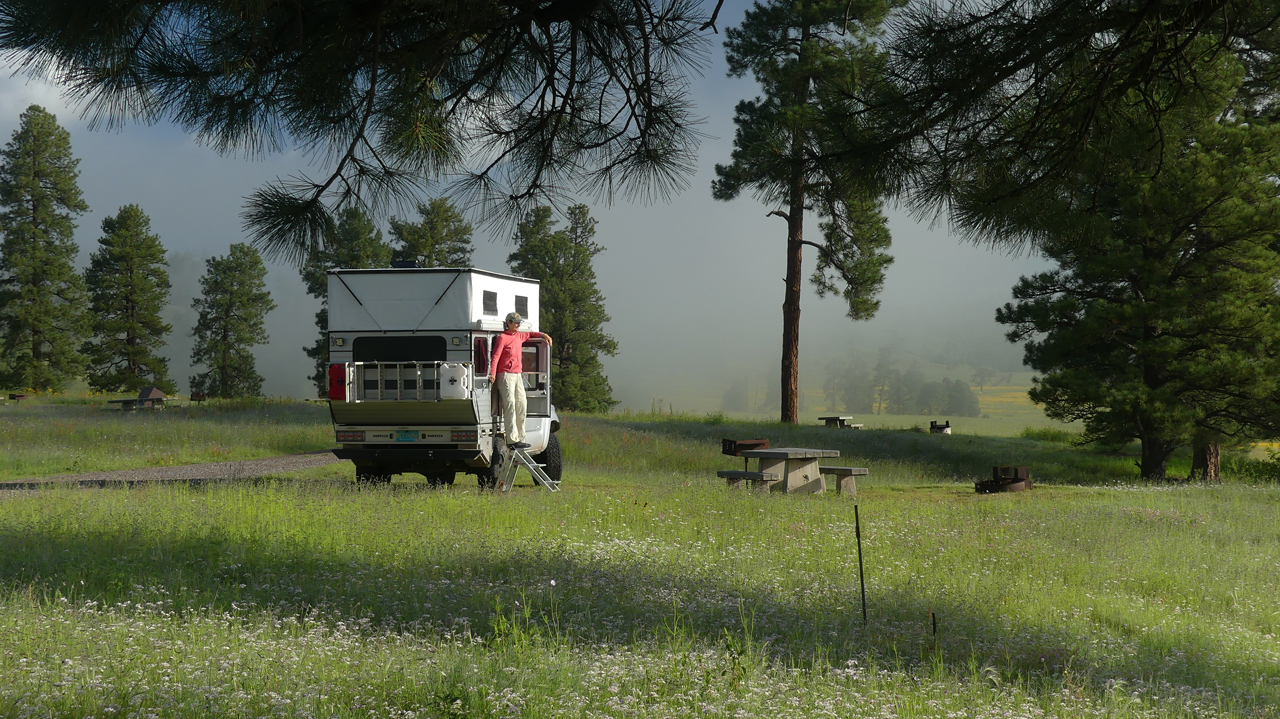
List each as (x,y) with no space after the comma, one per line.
(189,473)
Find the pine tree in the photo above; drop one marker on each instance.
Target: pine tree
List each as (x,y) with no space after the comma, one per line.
(128,288)
(233,306)
(355,243)
(1161,322)
(961,401)
(42,301)
(808,56)
(571,306)
(441,238)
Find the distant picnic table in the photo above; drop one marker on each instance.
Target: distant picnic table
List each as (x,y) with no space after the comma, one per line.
(840,421)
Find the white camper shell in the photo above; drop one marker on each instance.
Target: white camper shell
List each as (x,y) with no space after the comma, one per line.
(409,352)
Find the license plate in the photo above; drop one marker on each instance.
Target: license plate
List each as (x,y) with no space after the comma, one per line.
(405,435)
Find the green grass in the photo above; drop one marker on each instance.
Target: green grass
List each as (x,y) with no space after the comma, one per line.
(645,588)
(638,595)
(61,435)
(901,456)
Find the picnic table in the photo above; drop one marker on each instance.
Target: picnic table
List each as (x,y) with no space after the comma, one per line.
(796,467)
(840,421)
(787,469)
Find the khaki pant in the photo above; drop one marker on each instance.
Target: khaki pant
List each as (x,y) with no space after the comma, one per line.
(514,405)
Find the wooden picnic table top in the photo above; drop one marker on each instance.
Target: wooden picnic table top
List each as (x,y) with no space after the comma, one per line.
(790,453)
(837,416)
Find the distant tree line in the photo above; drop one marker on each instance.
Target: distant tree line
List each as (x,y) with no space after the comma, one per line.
(105,325)
(887,390)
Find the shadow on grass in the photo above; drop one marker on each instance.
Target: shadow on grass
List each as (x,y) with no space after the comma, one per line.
(567,598)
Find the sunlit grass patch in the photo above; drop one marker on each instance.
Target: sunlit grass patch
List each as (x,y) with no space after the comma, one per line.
(634,594)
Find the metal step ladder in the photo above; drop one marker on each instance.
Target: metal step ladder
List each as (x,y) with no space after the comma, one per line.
(516,458)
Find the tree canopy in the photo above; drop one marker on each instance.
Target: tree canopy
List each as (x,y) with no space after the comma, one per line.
(232,308)
(983,104)
(571,306)
(42,301)
(128,289)
(525,101)
(354,243)
(1162,319)
(440,238)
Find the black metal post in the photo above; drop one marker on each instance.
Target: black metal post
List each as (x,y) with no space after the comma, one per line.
(862,585)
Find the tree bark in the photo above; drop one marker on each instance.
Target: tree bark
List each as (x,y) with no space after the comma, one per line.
(791,313)
(1155,459)
(795,258)
(1206,459)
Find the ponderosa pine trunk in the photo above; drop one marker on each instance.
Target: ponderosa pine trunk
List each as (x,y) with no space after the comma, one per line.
(795,259)
(1155,458)
(791,313)
(1206,459)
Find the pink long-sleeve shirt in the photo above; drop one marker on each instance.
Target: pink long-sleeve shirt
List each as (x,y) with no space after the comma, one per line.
(507,352)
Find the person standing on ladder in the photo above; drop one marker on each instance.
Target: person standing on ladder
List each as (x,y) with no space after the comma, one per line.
(506,374)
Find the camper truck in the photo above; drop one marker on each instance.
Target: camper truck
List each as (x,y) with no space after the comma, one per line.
(409,352)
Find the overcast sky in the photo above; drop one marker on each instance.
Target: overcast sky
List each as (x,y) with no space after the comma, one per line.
(694,286)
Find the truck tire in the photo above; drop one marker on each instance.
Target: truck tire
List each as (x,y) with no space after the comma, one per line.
(488,477)
(372,475)
(440,479)
(550,459)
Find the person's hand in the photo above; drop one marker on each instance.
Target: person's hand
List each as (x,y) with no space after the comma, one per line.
(548,339)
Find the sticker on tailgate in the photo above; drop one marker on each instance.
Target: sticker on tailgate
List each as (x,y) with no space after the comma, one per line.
(404,435)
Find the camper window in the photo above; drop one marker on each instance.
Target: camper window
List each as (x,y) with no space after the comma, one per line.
(400,349)
(490,303)
(522,306)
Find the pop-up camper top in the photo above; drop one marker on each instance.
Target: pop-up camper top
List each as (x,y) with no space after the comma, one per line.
(408,372)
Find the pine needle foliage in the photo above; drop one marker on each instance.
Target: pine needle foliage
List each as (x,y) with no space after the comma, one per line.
(571,306)
(525,101)
(1162,319)
(1041,80)
(440,238)
(232,311)
(355,243)
(128,289)
(42,301)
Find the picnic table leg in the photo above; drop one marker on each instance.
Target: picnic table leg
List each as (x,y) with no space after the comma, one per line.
(802,476)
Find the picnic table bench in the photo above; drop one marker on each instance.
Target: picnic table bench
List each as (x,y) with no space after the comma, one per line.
(846,482)
(840,421)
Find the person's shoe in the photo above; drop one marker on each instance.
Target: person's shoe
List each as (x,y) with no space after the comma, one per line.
(518,445)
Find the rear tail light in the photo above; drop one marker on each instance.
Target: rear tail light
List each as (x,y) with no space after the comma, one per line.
(351,436)
(462,436)
(338,382)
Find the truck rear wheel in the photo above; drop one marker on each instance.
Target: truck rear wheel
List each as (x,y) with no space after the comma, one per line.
(372,475)
(488,477)
(440,479)
(553,465)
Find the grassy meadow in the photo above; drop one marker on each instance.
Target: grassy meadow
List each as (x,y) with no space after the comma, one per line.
(644,589)
(56,435)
